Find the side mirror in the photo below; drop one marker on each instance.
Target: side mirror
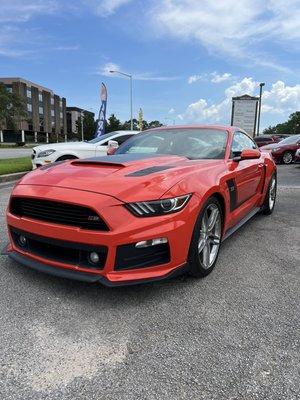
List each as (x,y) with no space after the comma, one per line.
(248,154)
(112,147)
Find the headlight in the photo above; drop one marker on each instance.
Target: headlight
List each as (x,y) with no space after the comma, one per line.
(277,149)
(46,153)
(158,207)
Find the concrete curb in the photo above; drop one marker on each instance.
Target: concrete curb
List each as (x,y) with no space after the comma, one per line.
(12,177)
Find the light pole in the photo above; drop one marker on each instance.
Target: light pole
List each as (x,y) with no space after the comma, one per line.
(130,77)
(259,106)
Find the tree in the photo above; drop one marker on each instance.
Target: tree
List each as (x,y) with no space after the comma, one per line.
(154,124)
(12,108)
(89,126)
(291,126)
(113,124)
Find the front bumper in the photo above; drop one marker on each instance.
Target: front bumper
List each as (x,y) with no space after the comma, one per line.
(81,276)
(125,231)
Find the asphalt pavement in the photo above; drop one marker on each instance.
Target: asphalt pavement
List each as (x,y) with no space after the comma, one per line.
(14,153)
(232,335)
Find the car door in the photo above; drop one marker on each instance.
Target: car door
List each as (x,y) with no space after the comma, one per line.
(248,174)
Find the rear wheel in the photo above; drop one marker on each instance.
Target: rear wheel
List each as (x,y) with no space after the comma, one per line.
(206,239)
(269,203)
(287,157)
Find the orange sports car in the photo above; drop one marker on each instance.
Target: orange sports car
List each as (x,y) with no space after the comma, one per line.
(161,205)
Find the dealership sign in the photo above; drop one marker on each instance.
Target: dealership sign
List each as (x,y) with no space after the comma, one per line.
(244,113)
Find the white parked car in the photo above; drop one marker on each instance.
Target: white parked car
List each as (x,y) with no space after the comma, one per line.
(48,153)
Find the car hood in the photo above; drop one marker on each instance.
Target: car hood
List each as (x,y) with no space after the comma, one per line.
(61,146)
(270,146)
(125,177)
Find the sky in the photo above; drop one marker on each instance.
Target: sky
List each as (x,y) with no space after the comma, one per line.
(187,57)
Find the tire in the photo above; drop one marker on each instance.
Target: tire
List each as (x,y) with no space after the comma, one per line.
(270,199)
(287,157)
(67,157)
(206,242)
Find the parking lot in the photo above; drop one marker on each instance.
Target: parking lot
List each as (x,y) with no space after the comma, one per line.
(232,335)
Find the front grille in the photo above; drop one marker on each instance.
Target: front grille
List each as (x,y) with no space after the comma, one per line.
(58,250)
(57,212)
(130,257)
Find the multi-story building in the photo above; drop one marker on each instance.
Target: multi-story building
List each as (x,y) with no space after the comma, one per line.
(73,115)
(46,110)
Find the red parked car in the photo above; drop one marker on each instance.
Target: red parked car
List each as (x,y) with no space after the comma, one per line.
(284,151)
(264,140)
(161,205)
(297,156)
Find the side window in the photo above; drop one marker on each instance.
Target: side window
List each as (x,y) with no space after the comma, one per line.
(122,139)
(241,142)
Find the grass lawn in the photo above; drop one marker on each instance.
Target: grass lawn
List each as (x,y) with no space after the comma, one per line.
(10,165)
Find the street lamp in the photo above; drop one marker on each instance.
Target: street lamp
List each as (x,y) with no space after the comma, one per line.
(130,77)
(259,106)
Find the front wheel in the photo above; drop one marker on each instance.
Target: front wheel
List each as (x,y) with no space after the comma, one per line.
(287,157)
(206,239)
(270,199)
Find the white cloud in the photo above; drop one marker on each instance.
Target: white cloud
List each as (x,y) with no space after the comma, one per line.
(138,76)
(106,68)
(22,11)
(234,28)
(195,78)
(213,77)
(217,78)
(280,99)
(171,111)
(105,8)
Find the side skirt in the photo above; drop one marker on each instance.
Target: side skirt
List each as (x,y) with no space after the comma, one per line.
(241,223)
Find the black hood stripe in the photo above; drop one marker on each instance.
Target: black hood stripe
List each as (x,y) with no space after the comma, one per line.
(150,170)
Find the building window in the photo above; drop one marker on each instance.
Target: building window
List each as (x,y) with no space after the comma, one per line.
(61,115)
(60,103)
(40,96)
(28,93)
(29,107)
(9,88)
(41,110)
(52,100)
(52,113)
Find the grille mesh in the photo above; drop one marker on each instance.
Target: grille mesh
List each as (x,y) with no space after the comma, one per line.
(57,212)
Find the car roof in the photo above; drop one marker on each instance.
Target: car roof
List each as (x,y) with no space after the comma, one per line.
(200,126)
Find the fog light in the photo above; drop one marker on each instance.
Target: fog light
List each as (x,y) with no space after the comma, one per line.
(94,257)
(151,242)
(22,241)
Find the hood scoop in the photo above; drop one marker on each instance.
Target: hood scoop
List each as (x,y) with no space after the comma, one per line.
(119,160)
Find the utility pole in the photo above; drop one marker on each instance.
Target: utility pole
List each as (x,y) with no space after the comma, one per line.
(259,106)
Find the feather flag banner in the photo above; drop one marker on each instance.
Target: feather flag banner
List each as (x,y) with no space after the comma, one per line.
(100,129)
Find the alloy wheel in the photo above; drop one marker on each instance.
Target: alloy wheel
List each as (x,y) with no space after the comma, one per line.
(210,236)
(287,157)
(272,193)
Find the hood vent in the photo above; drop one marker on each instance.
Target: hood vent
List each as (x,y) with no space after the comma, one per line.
(150,170)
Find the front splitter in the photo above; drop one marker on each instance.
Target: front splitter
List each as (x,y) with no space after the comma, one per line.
(82,276)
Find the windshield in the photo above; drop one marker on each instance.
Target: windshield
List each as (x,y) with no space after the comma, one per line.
(191,143)
(290,140)
(107,136)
